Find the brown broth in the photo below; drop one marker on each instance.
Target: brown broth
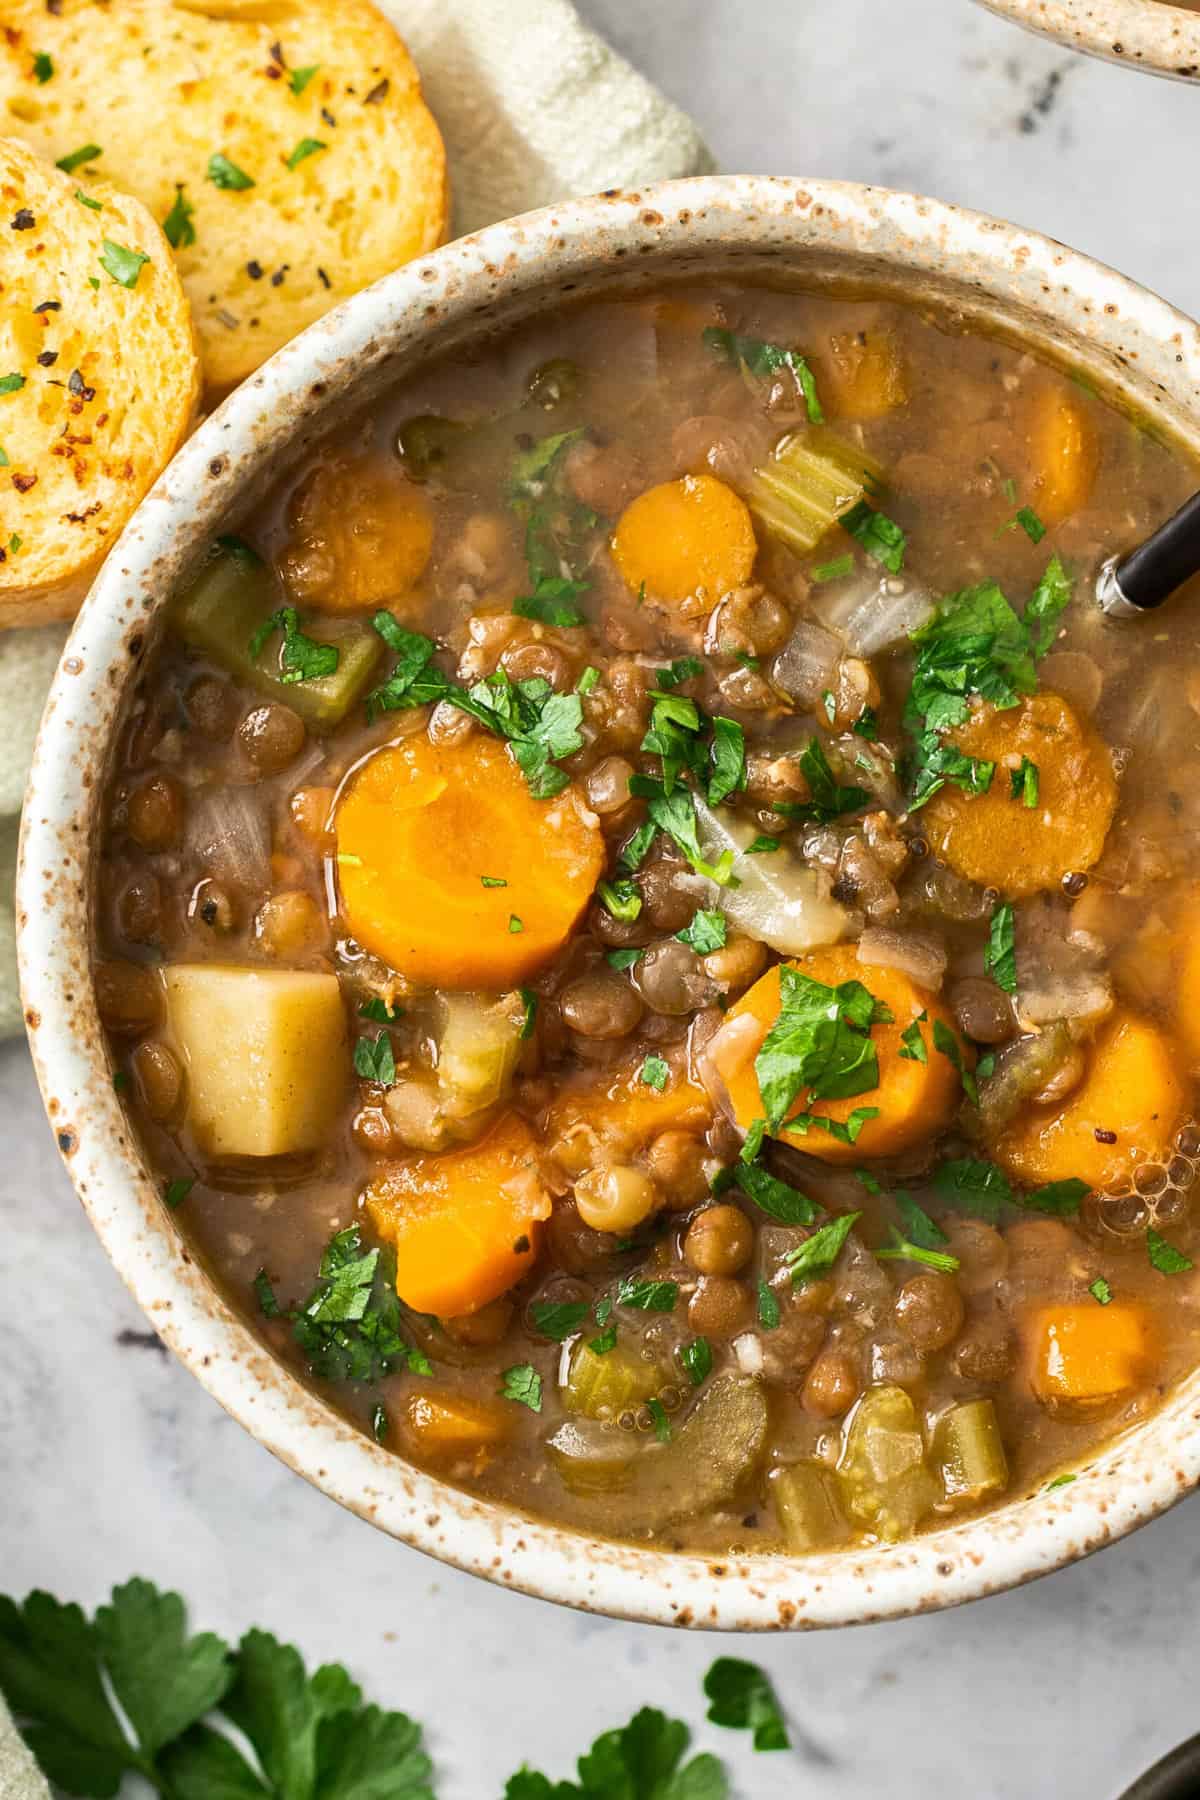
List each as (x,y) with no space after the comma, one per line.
(960,451)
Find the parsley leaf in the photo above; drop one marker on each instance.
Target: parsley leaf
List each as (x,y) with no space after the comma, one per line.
(919,1228)
(1100,1290)
(836,570)
(648,1296)
(1062,1198)
(728,755)
(85,154)
(683,668)
(743,1699)
(43,67)
(225,174)
(975,644)
(1050,598)
(883,540)
(301,658)
(1024,783)
(762,846)
(903,1249)
(555,522)
(934,762)
(559,1321)
(1165,1257)
(178,1190)
(522,1384)
(308,146)
(705,934)
(913,1047)
(977,1187)
(819,1043)
(349,1327)
(122,264)
(827,799)
(662,1425)
(948,1045)
(697,1360)
(299,79)
(640,1761)
(818,1253)
(620,899)
(765,360)
(1000,952)
(675,814)
(378,1009)
(774,1197)
(177,226)
(654,1072)
(374,1060)
(552,602)
(769,1314)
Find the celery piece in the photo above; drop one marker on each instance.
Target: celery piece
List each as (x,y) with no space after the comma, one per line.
(711,1458)
(969,1452)
(227,603)
(886,1484)
(807,484)
(808,1506)
(478,1044)
(592,1462)
(603,1387)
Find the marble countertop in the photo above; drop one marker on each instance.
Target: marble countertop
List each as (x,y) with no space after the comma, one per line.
(112,1459)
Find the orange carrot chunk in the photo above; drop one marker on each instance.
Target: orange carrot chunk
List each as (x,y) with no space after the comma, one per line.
(865,376)
(360,536)
(915,1099)
(684,539)
(464,1223)
(994,838)
(421,826)
(614,1117)
(441,1427)
(1086,1355)
(1064,455)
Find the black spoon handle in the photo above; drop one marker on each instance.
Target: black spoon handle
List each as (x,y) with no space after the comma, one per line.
(1150,574)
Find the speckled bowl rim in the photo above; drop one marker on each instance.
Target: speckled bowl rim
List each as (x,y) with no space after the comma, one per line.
(1143,34)
(1126,338)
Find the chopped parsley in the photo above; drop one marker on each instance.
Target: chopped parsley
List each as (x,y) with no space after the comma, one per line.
(727,754)
(648,1296)
(769,1314)
(555,522)
(763,846)
(600,1346)
(818,1253)
(1100,1290)
(268,1304)
(920,1240)
(623,959)
(43,67)
(654,1072)
(301,658)
(515,924)
(523,1385)
(11,384)
(620,899)
(837,570)
(559,1321)
(684,668)
(76,159)
(493,881)
(1024,783)
(349,1327)
(379,1010)
(705,934)
(1060,1198)
(177,226)
(1058,1482)
(1165,1257)
(529,1003)
(307,146)
(225,174)
(947,1045)
(883,540)
(374,1059)
(697,1360)
(552,602)
(975,1186)
(913,1047)
(774,1197)
(86,200)
(299,79)
(1050,598)
(1000,951)
(662,1425)
(675,814)
(178,1190)
(765,360)
(819,1045)
(588,680)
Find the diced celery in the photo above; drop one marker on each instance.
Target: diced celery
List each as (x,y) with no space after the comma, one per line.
(603,1387)
(231,598)
(808,1506)
(478,1044)
(969,1452)
(590,1461)
(886,1484)
(806,486)
(708,1460)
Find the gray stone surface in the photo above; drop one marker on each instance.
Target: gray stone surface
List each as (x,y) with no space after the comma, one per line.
(112,1459)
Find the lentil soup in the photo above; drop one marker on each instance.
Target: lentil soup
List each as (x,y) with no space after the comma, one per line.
(645,921)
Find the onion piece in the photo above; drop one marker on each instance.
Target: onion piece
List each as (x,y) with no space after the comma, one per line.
(920,957)
(806,666)
(778,900)
(1058,976)
(870,617)
(230,835)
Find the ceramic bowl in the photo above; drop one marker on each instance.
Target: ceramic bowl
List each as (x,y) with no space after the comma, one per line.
(824,233)
(1144,34)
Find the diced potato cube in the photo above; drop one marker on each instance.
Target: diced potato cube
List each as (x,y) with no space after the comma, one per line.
(266,1055)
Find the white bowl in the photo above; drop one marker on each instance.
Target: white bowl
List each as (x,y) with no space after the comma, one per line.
(1014,281)
(1145,34)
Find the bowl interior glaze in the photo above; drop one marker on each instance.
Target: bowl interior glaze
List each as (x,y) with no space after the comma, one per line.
(968,267)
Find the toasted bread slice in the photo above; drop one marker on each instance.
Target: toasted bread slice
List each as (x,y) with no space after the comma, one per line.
(99,378)
(284,144)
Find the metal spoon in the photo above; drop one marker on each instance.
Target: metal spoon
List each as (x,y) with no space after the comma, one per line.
(1143,578)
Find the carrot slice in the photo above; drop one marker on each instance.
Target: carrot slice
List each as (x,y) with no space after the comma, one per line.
(1000,842)
(441,1427)
(614,1117)
(465,1223)
(1086,1355)
(360,536)
(915,1099)
(451,870)
(1126,1111)
(1064,455)
(692,537)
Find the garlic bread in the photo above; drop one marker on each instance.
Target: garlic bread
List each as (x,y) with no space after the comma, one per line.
(284,146)
(99,378)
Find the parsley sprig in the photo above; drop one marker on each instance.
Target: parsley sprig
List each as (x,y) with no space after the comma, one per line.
(764,360)
(819,1046)
(350,1326)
